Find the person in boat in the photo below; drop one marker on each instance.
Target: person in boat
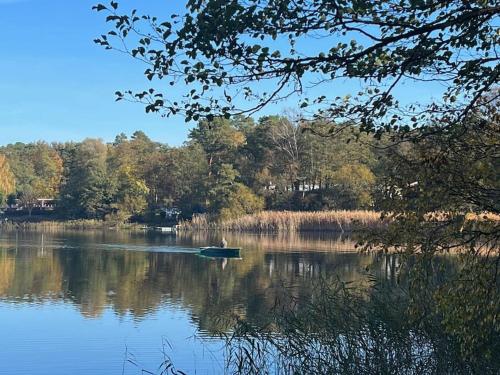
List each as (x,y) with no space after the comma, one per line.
(223,243)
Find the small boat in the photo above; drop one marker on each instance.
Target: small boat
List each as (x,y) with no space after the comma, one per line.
(220,252)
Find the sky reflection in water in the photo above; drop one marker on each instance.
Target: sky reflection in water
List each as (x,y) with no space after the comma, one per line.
(86,302)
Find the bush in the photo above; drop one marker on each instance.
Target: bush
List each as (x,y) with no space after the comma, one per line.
(240,201)
(353,186)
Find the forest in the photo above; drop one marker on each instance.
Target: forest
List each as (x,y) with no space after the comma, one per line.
(394,113)
(227,168)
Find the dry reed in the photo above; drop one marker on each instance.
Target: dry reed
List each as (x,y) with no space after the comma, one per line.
(291,221)
(82,224)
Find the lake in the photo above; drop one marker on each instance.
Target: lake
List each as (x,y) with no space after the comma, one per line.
(111,302)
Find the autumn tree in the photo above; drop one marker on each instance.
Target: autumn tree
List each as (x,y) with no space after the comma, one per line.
(352,185)
(238,57)
(442,195)
(131,194)
(7,180)
(37,167)
(126,173)
(48,166)
(86,191)
(239,201)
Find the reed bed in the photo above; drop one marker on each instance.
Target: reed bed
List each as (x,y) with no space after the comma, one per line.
(64,225)
(291,221)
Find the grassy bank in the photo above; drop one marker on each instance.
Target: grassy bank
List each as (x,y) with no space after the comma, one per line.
(291,221)
(48,225)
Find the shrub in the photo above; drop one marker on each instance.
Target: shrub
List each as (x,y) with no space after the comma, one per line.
(240,201)
(353,185)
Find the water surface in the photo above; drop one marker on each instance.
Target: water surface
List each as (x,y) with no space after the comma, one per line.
(117,302)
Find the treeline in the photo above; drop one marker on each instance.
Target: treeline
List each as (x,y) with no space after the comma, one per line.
(226,168)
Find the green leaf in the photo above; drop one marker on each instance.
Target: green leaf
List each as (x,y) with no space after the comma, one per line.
(99,7)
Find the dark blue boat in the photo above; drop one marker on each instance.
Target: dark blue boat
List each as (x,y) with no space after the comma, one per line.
(220,252)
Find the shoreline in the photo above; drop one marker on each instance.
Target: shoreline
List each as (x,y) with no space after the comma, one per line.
(337,222)
(67,225)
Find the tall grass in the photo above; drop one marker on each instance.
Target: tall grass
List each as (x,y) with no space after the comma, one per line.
(340,330)
(65,225)
(291,221)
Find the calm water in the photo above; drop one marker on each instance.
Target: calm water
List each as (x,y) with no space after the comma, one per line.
(116,302)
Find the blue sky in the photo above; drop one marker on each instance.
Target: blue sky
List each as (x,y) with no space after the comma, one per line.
(57,85)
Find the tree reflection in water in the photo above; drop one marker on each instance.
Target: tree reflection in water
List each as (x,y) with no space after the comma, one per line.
(303,279)
(93,271)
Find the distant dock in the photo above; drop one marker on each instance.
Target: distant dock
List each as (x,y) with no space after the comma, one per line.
(165,229)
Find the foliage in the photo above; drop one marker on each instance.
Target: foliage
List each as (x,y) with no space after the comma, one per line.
(7,180)
(128,164)
(227,168)
(353,183)
(441,195)
(240,201)
(186,171)
(130,196)
(86,192)
(342,330)
(237,57)
(219,139)
(36,166)
(475,323)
